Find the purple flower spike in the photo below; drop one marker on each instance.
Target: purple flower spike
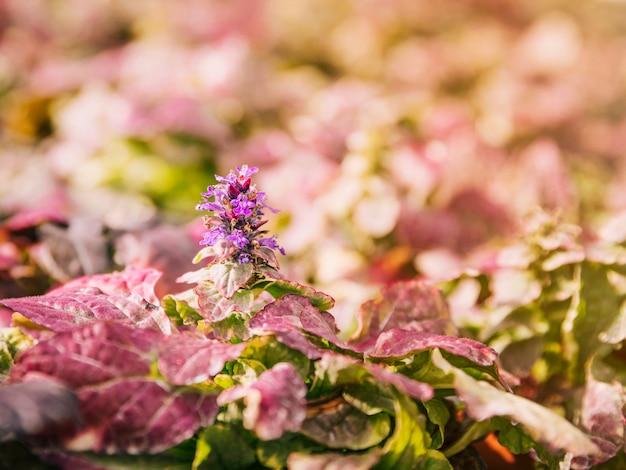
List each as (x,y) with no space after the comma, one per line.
(237,215)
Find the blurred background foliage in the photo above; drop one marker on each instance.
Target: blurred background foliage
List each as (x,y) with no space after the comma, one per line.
(398,138)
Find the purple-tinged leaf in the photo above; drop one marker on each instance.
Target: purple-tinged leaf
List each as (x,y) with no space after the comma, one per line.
(230,277)
(39,408)
(400,343)
(602,414)
(274,404)
(65,309)
(270,272)
(138,415)
(483,401)
(410,305)
(299,341)
(332,461)
(188,358)
(289,318)
(340,370)
(418,390)
(90,355)
(281,287)
(215,307)
(267,254)
(294,311)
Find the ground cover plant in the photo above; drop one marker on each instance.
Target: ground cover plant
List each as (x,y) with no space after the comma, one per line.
(407,145)
(245,368)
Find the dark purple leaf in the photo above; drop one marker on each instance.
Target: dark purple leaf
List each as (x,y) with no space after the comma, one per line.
(188,358)
(410,305)
(64,309)
(140,415)
(275,403)
(36,408)
(63,459)
(338,425)
(289,318)
(90,355)
(399,343)
(66,460)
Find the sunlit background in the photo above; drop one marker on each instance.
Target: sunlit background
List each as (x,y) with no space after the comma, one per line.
(398,138)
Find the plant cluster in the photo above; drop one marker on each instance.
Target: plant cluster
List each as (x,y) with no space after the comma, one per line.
(246,369)
(401,140)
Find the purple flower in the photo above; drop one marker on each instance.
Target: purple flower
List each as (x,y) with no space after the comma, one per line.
(237,214)
(242,205)
(238,238)
(212,236)
(271,243)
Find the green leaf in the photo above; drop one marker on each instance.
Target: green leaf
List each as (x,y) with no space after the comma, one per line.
(245,371)
(409,441)
(221,447)
(422,369)
(513,437)
(233,328)
(269,352)
(230,277)
(368,397)
(470,367)
(596,310)
(438,416)
(333,371)
(12,341)
(274,453)
(434,460)
(180,312)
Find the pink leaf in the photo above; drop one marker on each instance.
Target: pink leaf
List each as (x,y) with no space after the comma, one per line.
(410,305)
(188,358)
(64,309)
(399,343)
(275,403)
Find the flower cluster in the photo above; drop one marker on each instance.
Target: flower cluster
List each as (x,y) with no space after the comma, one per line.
(237,209)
